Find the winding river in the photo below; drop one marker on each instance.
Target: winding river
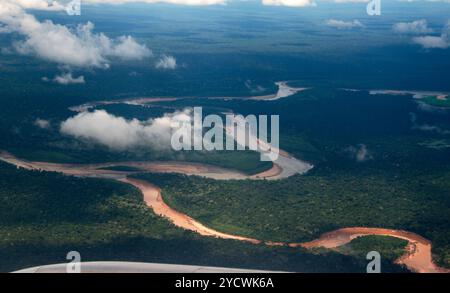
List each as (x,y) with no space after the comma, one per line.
(284,91)
(417,258)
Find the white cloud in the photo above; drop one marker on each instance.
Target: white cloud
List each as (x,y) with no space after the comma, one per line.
(432,42)
(351,1)
(430,108)
(360,153)
(117,133)
(290,3)
(179,2)
(127,48)
(340,24)
(166,62)
(426,127)
(435,42)
(59,5)
(67,78)
(42,123)
(57,43)
(254,88)
(415,27)
(445,1)
(38,4)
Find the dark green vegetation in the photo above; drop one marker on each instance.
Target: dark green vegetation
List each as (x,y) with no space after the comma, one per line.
(121,168)
(435,101)
(303,207)
(45,215)
(389,247)
(26,140)
(403,184)
(246,161)
(234,51)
